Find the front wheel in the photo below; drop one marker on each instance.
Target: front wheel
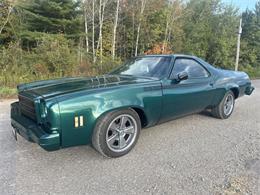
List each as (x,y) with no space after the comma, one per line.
(225,108)
(116,133)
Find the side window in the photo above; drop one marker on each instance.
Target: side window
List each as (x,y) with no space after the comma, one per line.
(193,68)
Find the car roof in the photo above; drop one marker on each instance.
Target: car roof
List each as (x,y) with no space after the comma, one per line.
(171,55)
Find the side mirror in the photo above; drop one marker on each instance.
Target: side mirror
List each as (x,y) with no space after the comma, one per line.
(181,76)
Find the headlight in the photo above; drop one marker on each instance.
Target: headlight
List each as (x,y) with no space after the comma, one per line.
(43,109)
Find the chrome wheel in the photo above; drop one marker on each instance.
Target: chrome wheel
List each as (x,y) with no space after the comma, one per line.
(121,133)
(228,104)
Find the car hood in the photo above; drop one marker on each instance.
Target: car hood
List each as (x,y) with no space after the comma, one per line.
(50,88)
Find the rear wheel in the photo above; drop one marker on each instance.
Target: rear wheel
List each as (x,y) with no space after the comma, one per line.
(116,133)
(225,107)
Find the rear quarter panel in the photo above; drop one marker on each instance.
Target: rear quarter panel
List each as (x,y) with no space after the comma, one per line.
(93,104)
(226,80)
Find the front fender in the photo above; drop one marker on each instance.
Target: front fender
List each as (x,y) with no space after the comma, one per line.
(93,105)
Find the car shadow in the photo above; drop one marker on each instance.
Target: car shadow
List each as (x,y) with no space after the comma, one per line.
(206,113)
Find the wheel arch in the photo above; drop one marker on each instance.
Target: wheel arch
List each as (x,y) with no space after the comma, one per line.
(235,90)
(142,116)
(222,90)
(139,110)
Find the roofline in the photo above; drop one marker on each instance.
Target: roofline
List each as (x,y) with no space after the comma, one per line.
(168,55)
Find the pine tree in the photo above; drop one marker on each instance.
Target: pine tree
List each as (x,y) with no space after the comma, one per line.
(52,17)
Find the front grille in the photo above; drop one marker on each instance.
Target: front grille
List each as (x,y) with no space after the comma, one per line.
(27,107)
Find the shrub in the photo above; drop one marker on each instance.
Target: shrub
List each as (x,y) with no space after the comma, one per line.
(55,56)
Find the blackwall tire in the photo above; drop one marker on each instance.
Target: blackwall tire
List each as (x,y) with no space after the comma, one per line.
(116,133)
(225,108)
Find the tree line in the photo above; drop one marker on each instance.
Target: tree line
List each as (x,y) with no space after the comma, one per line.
(41,39)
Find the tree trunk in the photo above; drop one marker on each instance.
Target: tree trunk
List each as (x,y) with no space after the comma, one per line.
(102,5)
(143,3)
(86,27)
(93,31)
(165,36)
(79,51)
(101,34)
(137,38)
(114,30)
(133,30)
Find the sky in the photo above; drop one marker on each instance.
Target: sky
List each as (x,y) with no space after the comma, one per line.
(242,4)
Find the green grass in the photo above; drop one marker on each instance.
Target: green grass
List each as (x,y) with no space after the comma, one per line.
(7,92)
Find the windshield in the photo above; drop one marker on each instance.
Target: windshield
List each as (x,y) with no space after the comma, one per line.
(149,66)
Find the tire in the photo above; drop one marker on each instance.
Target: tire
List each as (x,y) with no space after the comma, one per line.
(221,111)
(116,133)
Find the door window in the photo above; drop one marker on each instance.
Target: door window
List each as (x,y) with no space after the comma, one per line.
(193,68)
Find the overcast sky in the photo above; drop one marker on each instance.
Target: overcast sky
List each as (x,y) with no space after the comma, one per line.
(242,4)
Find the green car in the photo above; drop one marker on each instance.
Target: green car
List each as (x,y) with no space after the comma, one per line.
(109,111)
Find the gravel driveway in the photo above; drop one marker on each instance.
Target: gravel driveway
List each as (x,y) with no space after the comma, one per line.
(196,154)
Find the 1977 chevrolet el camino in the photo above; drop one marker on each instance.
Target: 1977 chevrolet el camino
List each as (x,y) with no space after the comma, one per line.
(109,111)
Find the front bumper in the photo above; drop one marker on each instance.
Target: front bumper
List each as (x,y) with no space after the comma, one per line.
(28,129)
(249,90)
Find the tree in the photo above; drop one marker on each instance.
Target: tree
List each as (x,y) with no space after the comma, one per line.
(197,26)
(222,45)
(174,11)
(8,21)
(52,17)
(115,29)
(6,9)
(85,10)
(142,8)
(93,31)
(101,13)
(250,39)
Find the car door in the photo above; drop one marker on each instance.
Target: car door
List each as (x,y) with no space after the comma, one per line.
(187,96)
